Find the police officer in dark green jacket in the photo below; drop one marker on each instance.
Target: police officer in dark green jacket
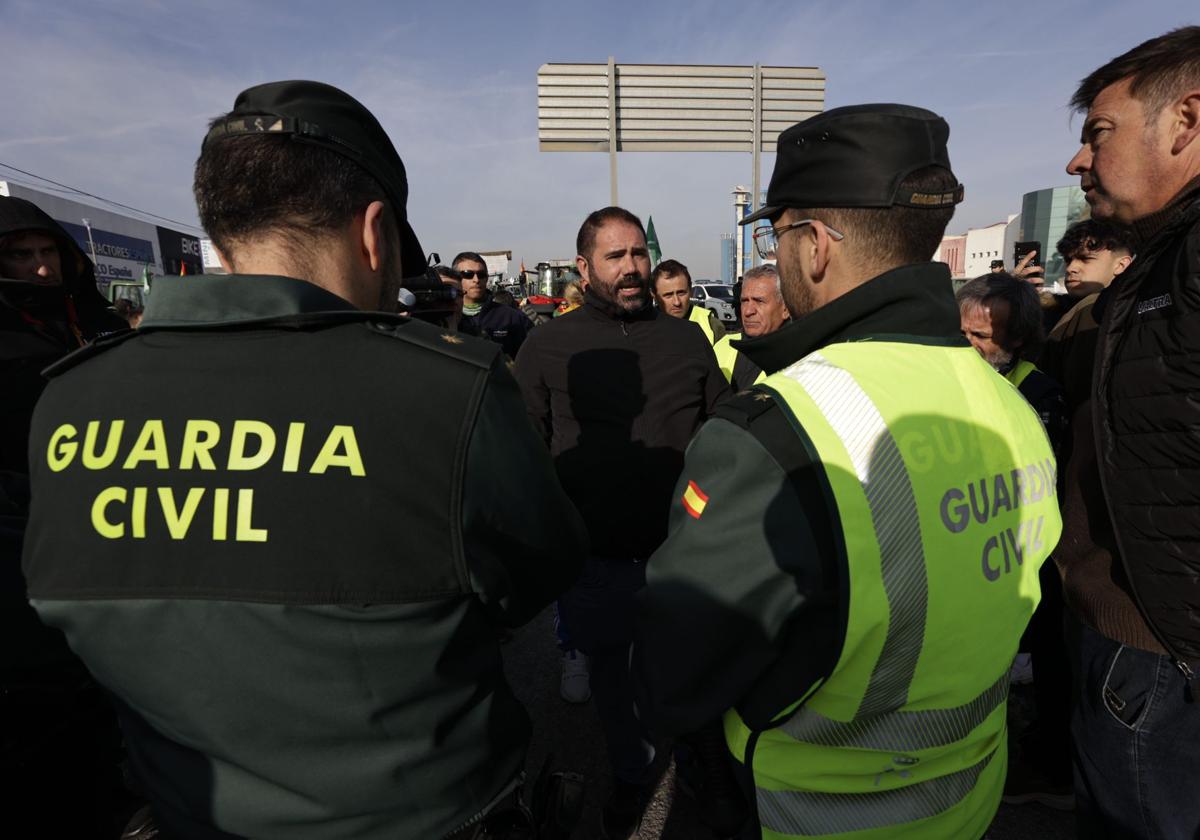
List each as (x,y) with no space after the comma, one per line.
(854,548)
(285,530)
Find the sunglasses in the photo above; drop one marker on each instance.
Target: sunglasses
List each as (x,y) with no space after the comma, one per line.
(467,275)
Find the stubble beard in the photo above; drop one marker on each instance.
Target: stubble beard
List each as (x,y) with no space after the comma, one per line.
(798,297)
(1000,360)
(611,293)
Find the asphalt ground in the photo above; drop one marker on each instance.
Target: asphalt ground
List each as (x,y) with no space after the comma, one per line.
(571,735)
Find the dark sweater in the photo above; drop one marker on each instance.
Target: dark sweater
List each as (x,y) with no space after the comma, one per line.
(617,397)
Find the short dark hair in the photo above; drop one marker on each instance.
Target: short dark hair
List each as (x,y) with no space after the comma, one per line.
(894,236)
(252,185)
(1093,235)
(504,298)
(669,268)
(585,241)
(468,255)
(1024,330)
(1159,70)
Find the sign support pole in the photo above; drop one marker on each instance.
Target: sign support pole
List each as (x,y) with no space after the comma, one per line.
(756,152)
(612,131)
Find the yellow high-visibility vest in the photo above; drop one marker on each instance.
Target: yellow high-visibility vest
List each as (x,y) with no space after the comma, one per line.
(944,486)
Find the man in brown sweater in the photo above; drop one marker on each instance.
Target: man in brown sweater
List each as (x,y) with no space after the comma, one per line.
(1131,513)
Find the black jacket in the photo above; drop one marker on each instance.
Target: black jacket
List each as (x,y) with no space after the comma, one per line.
(38,326)
(292,574)
(1146,416)
(617,397)
(504,325)
(41,324)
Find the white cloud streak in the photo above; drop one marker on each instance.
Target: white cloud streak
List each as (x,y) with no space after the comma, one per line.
(114,99)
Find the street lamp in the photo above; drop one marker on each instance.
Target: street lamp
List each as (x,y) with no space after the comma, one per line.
(91,242)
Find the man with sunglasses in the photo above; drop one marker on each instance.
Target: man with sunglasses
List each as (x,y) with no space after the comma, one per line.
(854,545)
(483,317)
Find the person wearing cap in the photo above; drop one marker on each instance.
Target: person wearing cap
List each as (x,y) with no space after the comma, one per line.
(290,546)
(854,545)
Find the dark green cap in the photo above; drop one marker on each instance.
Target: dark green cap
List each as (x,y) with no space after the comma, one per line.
(856,157)
(313,112)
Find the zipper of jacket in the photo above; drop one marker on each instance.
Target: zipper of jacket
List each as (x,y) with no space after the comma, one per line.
(1098,418)
(624,329)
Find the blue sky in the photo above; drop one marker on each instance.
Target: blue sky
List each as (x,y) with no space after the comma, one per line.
(113,97)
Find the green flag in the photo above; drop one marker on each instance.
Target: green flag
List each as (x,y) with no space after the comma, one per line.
(652,244)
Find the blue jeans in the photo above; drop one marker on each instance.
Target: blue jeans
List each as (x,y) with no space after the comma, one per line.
(1137,744)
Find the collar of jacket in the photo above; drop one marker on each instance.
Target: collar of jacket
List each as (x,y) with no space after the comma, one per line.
(486,305)
(603,310)
(228,298)
(1160,227)
(913,303)
(1148,227)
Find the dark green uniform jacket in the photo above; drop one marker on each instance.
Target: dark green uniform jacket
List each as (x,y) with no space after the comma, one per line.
(763,613)
(286,535)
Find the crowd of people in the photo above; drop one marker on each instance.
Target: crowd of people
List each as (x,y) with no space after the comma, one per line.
(265,582)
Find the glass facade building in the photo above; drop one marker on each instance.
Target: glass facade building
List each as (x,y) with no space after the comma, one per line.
(1045,216)
(728,258)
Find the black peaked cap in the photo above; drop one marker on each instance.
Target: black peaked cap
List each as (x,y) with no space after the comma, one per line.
(856,157)
(314,112)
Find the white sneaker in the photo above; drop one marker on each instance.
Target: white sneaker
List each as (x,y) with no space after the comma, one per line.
(575,685)
(1021,672)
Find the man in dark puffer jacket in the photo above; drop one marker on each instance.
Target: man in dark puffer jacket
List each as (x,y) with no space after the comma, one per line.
(1135,589)
(59,743)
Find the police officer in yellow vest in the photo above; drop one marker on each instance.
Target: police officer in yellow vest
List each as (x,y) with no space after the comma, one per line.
(854,549)
(671,285)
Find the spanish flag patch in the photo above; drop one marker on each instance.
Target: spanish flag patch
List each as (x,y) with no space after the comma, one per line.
(694,501)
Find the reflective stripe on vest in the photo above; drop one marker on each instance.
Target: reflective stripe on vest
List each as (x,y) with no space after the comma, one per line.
(1020,370)
(804,814)
(699,315)
(945,498)
(880,469)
